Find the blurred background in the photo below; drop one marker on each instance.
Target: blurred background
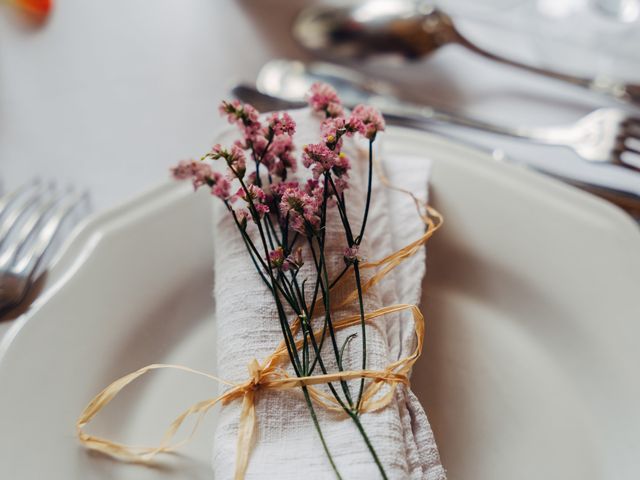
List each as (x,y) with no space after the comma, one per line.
(105,96)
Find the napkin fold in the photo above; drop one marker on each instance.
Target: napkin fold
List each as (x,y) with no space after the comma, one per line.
(287,444)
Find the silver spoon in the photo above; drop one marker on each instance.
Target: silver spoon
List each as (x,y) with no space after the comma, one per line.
(414,29)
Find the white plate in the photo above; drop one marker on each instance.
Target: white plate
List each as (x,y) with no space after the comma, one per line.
(531,359)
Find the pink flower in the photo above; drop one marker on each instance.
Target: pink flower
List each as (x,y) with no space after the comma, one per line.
(294,260)
(235,158)
(280,158)
(370,118)
(300,209)
(332,130)
(256,197)
(341,184)
(261,208)
(259,145)
(251,178)
(183,170)
(279,188)
(324,99)
(252,192)
(355,125)
(236,112)
(341,166)
(276,258)
(221,187)
(200,172)
(351,254)
(319,158)
(242,215)
(282,124)
(243,115)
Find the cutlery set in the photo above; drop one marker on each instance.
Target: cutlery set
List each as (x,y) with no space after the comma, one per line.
(411,29)
(606,135)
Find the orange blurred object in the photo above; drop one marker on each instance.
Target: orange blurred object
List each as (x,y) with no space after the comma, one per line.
(37,7)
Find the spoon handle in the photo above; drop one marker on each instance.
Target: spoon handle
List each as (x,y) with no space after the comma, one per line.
(624,92)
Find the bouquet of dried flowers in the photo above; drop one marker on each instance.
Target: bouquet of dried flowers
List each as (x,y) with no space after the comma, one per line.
(277,217)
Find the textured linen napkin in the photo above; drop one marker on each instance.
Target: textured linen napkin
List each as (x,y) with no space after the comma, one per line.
(287,444)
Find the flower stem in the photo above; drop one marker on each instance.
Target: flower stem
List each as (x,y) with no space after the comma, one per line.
(363,329)
(367,441)
(368,202)
(312,411)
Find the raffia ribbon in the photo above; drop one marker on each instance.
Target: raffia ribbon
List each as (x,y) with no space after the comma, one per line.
(270,375)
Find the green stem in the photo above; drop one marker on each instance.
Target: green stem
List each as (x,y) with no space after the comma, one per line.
(368,202)
(317,425)
(360,428)
(363,329)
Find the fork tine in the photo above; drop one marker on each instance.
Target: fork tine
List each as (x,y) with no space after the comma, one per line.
(27,229)
(632,144)
(7,199)
(29,261)
(630,158)
(15,212)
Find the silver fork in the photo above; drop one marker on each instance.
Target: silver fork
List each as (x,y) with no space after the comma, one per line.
(29,223)
(606,135)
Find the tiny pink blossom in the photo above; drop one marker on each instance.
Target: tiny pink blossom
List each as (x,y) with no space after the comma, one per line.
(355,125)
(253,192)
(251,178)
(199,172)
(341,166)
(279,188)
(294,260)
(236,112)
(319,158)
(276,258)
(243,115)
(370,117)
(282,124)
(280,159)
(221,187)
(332,130)
(235,158)
(300,209)
(242,216)
(256,197)
(261,208)
(259,145)
(183,170)
(324,99)
(341,184)
(351,254)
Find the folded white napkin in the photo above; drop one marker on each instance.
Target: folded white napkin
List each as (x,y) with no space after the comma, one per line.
(287,445)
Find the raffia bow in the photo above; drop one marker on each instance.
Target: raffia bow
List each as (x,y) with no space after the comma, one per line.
(270,375)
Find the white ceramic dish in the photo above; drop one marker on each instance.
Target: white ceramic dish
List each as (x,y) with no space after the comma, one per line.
(530,364)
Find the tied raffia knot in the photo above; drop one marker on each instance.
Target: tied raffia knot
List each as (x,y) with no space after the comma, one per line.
(271,375)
